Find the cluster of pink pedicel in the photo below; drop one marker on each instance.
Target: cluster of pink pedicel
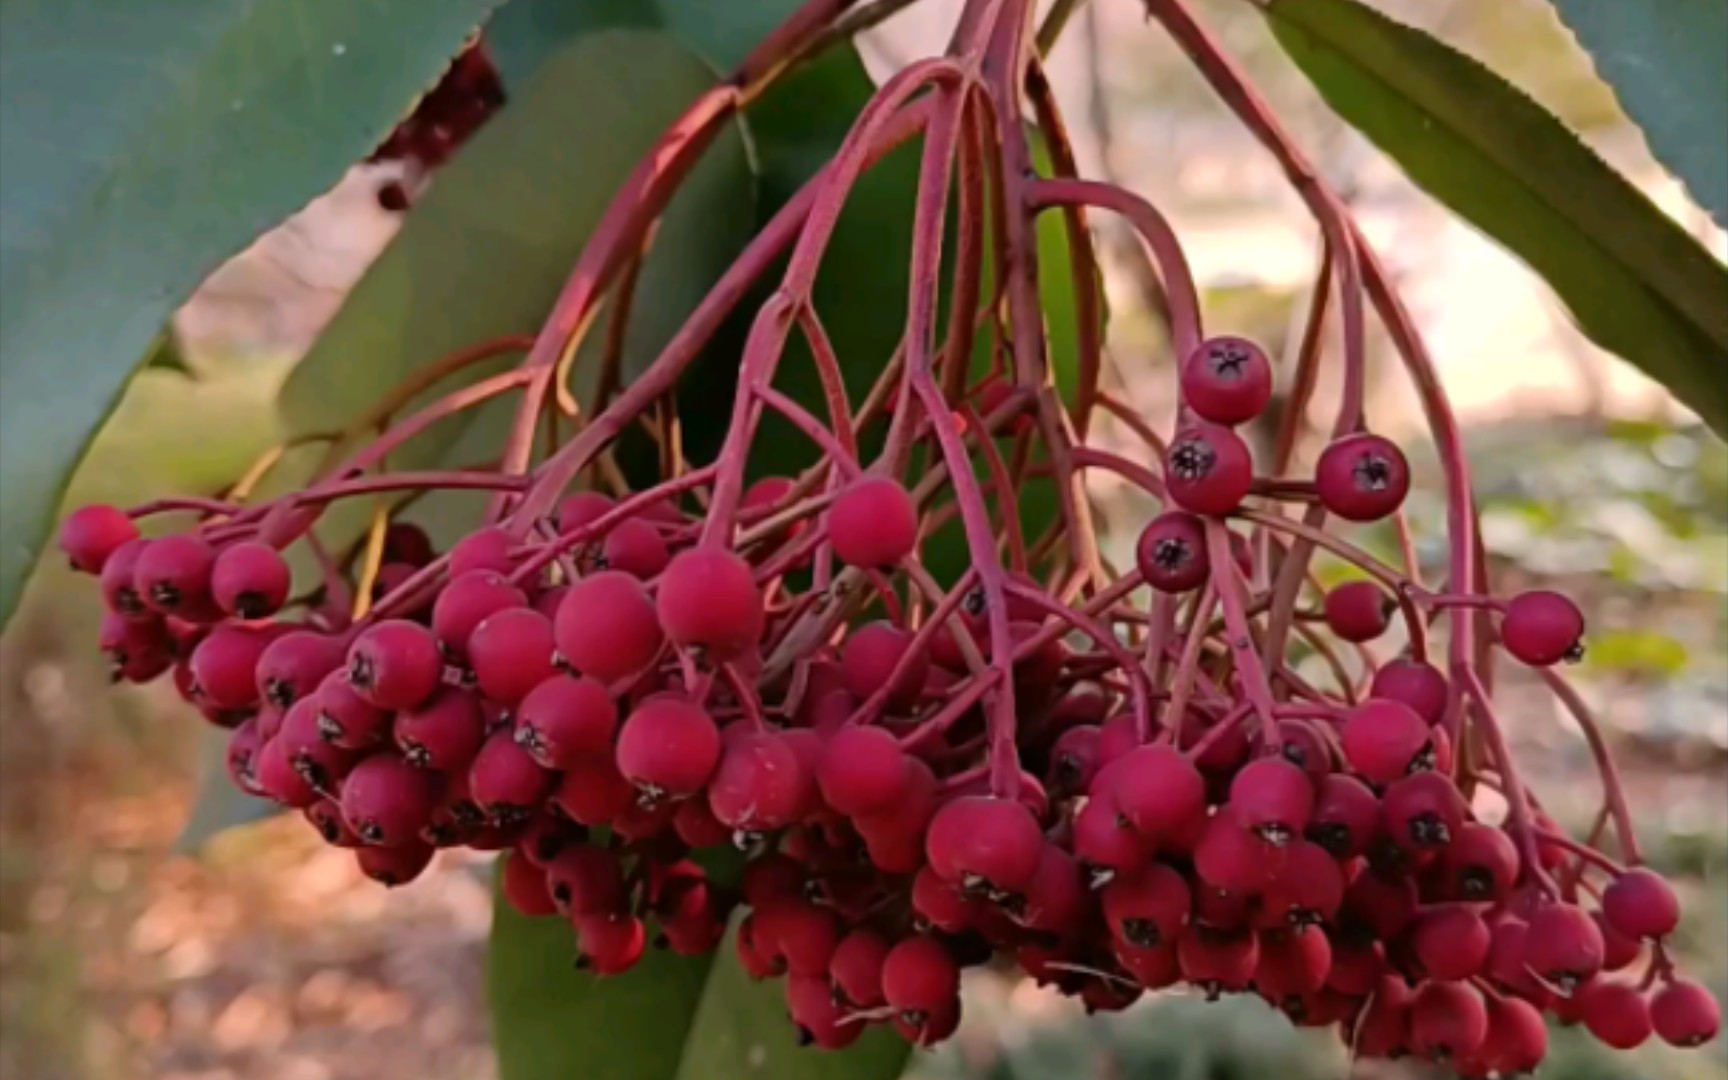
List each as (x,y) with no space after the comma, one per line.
(1115,779)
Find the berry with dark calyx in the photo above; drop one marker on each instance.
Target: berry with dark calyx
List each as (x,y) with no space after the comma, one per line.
(1383,1029)
(1208,469)
(581,509)
(278,780)
(873,523)
(869,657)
(1147,908)
(92,533)
(1684,1014)
(708,600)
(1307,890)
(668,747)
(524,887)
(1384,741)
(800,932)
(225,663)
(606,627)
(1563,947)
(345,718)
(585,880)
(173,573)
(325,817)
(387,801)
(861,770)
(760,785)
(1385,905)
(442,733)
(1362,477)
(511,653)
(1414,684)
(856,968)
(321,765)
(1451,943)
(506,783)
(1273,799)
(565,719)
(119,580)
(1227,380)
(395,664)
(484,549)
(1641,905)
(396,865)
(1542,628)
(1301,744)
(250,580)
(635,547)
(1616,1013)
(1619,952)
(1359,611)
(989,846)
(1423,812)
(294,665)
(1171,552)
(137,650)
(1292,963)
(817,1019)
(1346,816)
(1448,1021)
(1517,1038)
(1481,863)
(1158,789)
(408,544)
(1232,857)
(1073,761)
(922,983)
(609,944)
(468,601)
(592,792)
(241,757)
(1218,961)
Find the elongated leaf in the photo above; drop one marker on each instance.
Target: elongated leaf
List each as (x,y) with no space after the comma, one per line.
(1668,64)
(1636,283)
(741,1028)
(140,144)
(487,249)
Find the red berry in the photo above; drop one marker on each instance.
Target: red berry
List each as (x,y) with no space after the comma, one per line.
(250,580)
(1147,908)
(1273,799)
(856,968)
(1385,740)
(397,865)
(592,792)
(1292,964)
(138,650)
(1385,905)
(1362,477)
(760,784)
(585,880)
(708,600)
(1448,1020)
(1542,628)
(634,546)
(279,780)
(505,782)
(1307,890)
(92,533)
(1641,905)
(816,1017)
(1231,857)
(484,549)
(1208,469)
(467,602)
(1359,611)
(920,980)
(800,932)
(1451,943)
(873,523)
(395,664)
(224,665)
(524,886)
(1684,1014)
(387,801)
(1158,789)
(1073,761)
(1218,961)
(1481,863)
(1517,1038)
(294,665)
(861,770)
(326,818)
(1227,380)
(408,544)
(511,654)
(1562,946)
(610,944)
(606,627)
(1617,1013)
(321,765)
(1171,552)
(581,509)
(1422,812)
(565,719)
(1346,816)
(173,573)
(442,733)
(345,718)
(1419,686)
(668,747)
(986,844)
(119,579)
(1618,951)
(871,654)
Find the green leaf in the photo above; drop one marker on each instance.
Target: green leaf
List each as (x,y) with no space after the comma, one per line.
(219,805)
(740,1029)
(553,1022)
(486,251)
(1669,68)
(142,144)
(1634,280)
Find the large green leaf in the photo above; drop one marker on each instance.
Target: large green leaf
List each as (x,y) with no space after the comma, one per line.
(1668,64)
(140,144)
(1633,279)
(487,249)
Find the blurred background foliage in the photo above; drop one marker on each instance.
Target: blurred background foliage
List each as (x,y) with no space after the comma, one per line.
(267,957)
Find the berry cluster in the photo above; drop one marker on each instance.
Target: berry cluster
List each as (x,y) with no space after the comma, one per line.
(1119,780)
(467,95)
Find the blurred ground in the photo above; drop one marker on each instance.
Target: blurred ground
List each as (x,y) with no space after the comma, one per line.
(267,957)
